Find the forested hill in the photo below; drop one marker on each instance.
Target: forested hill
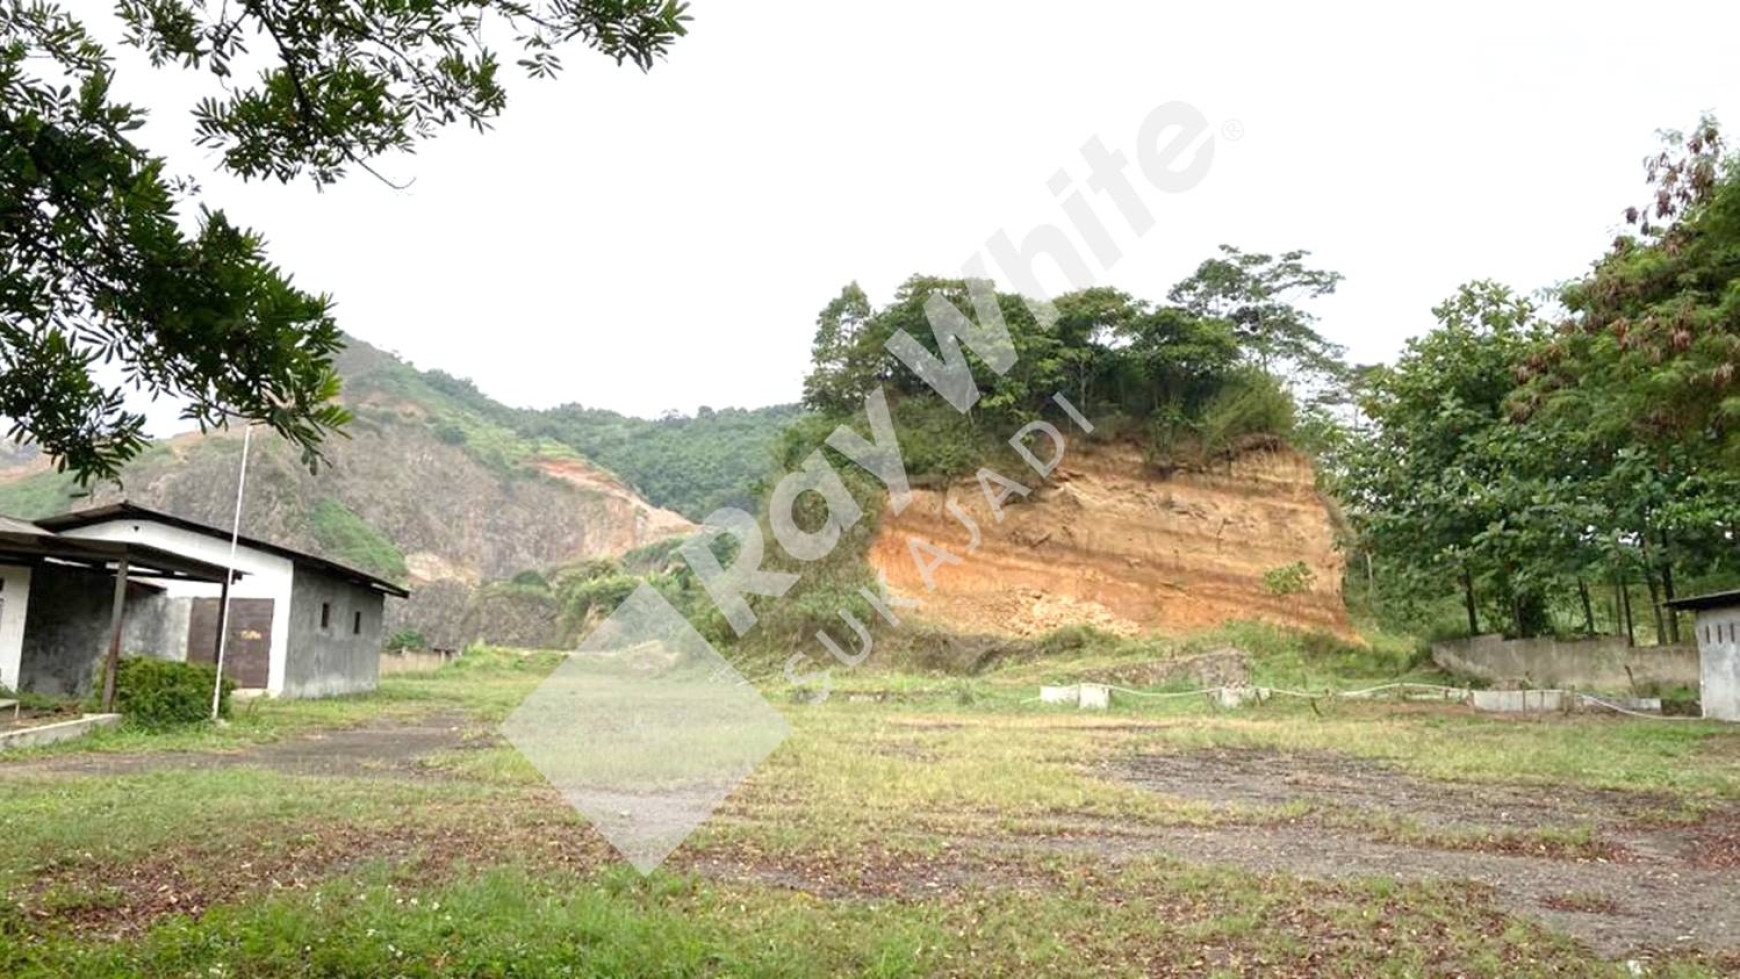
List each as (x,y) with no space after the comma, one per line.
(690,464)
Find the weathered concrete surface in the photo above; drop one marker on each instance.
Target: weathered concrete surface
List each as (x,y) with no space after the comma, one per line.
(1518,701)
(345,655)
(1601,663)
(58,731)
(414,661)
(1720,668)
(14,606)
(66,632)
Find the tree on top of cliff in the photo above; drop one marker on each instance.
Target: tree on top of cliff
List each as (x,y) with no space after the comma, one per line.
(97,267)
(1259,296)
(1206,354)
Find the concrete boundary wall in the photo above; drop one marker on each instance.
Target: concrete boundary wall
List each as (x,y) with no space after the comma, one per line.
(1600,663)
(30,737)
(415,661)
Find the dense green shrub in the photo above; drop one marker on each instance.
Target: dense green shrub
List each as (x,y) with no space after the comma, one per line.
(349,538)
(1254,402)
(1289,579)
(163,693)
(531,579)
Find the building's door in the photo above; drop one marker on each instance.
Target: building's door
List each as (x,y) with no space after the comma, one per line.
(248,654)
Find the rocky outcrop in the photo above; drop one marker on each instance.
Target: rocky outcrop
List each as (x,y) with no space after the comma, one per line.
(1108,542)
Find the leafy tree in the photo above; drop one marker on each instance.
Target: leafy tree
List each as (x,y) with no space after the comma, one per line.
(832,384)
(1530,462)
(1258,295)
(1178,373)
(1648,352)
(1439,483)
(95,265)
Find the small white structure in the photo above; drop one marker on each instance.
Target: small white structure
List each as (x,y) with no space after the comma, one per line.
(1060,695)
(1235,697)
(1518,701)
(1718,632)
(297,625)
(1095,696)
(1087,696)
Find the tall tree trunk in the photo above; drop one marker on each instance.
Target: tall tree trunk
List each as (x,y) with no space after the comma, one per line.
(1655,608)
(1649,570)
(1624,589)
(1667,585)
(1468,594)
(1588,609)
(1370,587)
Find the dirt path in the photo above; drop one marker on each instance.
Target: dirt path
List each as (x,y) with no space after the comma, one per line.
(1667,887)
(387,748)
(1663,886)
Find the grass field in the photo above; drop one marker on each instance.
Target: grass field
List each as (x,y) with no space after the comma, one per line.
(911,825)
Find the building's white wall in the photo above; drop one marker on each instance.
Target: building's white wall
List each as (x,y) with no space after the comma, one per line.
(267,575)
(14,604)
(1719,656)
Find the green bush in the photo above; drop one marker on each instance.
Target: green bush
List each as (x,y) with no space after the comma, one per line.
(532,579)
(351,539)
(161,693)
(1289,579)
(1257,403)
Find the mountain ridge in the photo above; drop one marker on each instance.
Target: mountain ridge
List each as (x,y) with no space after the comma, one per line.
(433,485)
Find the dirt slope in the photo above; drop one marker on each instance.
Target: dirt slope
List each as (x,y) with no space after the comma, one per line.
(1108,542)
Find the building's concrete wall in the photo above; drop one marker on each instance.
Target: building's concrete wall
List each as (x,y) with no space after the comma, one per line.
(156,626)
(266,576)
(1601,663)
(14,606)
(338,659)
(66,633)
(1719,646)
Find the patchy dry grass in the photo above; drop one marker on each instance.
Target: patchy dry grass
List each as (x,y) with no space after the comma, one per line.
(925,832)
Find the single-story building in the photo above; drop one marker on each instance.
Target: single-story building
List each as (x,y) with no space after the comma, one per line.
(298,625)
(1718,632)
(61,600)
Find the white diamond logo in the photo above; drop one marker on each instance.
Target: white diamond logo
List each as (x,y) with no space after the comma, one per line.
(645,729)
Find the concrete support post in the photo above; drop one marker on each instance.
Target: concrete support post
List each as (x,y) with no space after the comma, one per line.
(112,662)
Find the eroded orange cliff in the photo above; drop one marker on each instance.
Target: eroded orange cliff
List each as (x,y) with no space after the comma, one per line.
(1106,541)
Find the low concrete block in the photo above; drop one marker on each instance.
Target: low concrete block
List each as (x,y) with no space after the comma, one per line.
(1642,705)
(58,731)
(1095,696)
(1519,701)
(1060,695)
(1233,697)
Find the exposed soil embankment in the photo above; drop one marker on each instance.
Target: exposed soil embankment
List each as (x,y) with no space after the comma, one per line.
(1108,542)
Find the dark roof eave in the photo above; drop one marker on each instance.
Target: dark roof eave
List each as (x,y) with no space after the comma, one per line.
(1696,603)
(126,509)
(144,561)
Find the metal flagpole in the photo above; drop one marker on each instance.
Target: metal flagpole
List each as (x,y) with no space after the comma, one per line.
(230,574)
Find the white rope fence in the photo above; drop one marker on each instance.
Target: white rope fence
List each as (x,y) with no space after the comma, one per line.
(1448,693)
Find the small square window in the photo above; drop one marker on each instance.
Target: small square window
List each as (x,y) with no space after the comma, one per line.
(356,625)
(326,615)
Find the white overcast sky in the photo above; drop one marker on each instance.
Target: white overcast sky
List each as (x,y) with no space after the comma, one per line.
(646,242)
